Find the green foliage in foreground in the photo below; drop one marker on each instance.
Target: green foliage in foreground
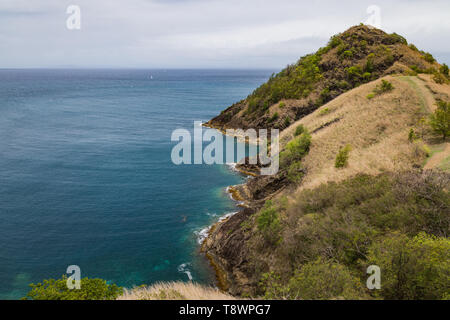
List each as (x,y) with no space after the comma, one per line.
(90,289)
(416,268)
(342,157)
(399,222)
(317,280)
(440,119)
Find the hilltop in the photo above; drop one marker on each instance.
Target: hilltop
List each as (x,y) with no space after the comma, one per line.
(357,56)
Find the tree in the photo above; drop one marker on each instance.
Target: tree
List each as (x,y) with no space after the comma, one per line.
(324,280)
(440,119)
(56,289)
(416,268)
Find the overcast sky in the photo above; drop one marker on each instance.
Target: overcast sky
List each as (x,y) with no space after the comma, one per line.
(201,33)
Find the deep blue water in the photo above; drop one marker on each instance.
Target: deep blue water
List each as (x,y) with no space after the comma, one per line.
(86,177)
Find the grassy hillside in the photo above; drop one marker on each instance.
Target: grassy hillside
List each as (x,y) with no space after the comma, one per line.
(357,56)
(375,205)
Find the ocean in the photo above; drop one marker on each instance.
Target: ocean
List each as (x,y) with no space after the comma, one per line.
(86,176)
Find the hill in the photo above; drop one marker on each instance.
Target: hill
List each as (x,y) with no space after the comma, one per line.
(357,56)
(351,191)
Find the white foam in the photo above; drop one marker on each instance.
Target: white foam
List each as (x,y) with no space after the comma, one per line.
(203,234)
(183,268)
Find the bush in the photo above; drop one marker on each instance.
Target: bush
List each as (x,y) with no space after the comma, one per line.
(347,54)
(282,105)
(296,149)
(444,69)
(415,268)
(324,112)
(439,78)
(268,222)
(413,47)
(334,41)
(440,119)
(299,130)
(274,117)
(324,280)
(317,280)
(354,73)
(371,96)
(56,289)
(385,86)
(429,57)
(295,172)
(342,157)
(287,121)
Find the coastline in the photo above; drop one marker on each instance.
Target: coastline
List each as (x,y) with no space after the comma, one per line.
(235,193)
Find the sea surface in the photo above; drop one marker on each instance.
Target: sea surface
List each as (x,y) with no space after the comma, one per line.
(86,176)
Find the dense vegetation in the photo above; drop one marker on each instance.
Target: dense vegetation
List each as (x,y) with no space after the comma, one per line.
(57,289)
(321,244)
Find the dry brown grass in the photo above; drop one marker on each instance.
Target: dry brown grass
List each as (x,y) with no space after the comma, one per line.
(377,129)
(175,291)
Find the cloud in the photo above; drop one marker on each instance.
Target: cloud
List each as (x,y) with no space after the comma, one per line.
(200,33)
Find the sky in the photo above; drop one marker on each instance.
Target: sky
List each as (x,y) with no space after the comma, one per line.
(201,33)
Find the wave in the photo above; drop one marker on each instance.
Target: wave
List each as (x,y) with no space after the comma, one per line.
(183,268)
(203,233)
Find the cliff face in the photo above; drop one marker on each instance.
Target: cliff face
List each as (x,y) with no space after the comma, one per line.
(325,213)
(357,56)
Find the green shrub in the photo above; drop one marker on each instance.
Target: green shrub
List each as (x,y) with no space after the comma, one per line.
(440,119)
(295,149)
(412,269)
(324,111)
(295,172)
(347,54)
(444,69)
(334,41)
(274,117)
(287,121)
(56,289)
(439,78)
(342,157)
(370,95)
(299,130)
(385,86)
(324,96)
(413,47)
(268,222)
(366,76)
(354,73)
(429,57)
(282,105)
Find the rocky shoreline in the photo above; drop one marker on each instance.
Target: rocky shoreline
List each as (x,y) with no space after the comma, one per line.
(240,194)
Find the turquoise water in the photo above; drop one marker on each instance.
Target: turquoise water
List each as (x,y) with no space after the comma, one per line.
(86,177)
